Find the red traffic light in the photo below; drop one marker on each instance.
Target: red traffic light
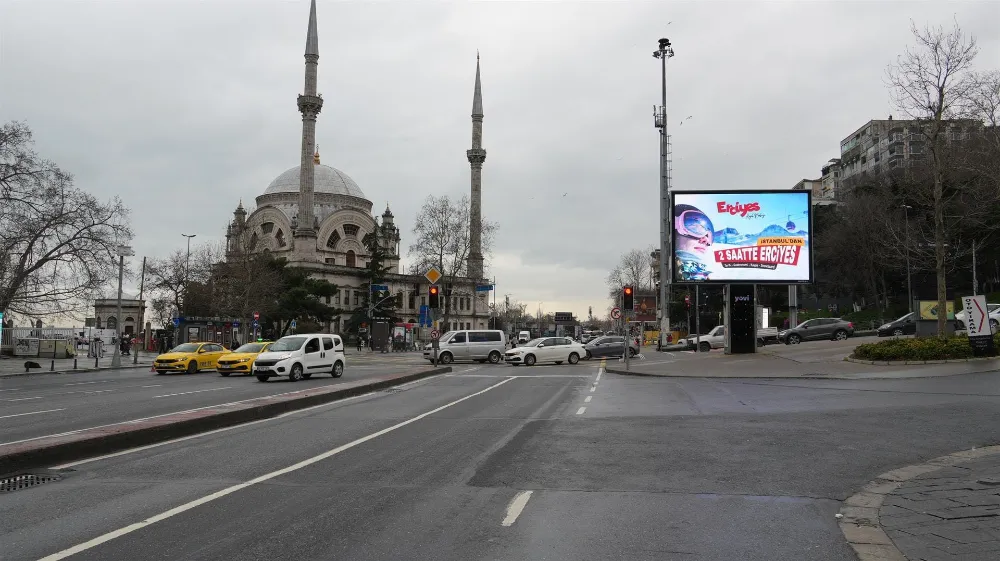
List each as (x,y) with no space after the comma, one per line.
(434,290)
(628,290)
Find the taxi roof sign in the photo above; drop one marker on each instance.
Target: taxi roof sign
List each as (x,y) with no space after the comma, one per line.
(433,275)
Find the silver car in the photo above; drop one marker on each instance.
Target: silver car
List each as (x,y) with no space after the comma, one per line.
(478,345)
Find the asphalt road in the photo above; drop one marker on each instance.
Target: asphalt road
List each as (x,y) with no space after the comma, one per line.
(618,468)
(41,405)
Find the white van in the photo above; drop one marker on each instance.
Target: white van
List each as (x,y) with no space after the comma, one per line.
(479,345)
(523,337)
(300,356)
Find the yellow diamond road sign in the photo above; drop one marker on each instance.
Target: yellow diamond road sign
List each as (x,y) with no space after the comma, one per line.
(433,275)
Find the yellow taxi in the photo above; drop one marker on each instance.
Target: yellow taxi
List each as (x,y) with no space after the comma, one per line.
(240,361)
(190,358)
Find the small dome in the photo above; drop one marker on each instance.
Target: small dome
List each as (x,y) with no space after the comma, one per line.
(328,180)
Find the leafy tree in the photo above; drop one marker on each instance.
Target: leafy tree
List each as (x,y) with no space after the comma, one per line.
(301,297)
(375,274)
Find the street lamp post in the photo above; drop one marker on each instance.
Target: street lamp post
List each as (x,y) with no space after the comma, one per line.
(909,285)
(187,268)
(664,52)
(123,252)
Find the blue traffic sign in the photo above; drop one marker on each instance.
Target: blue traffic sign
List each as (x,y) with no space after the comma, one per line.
(236,324)
(177,322)
(380,288)
(293,324)
(256,324)
(484,287)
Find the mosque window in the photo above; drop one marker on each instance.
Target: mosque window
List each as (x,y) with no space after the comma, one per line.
(253,241)
(267,227)
(351,259)
(332,241)
(351,230)
(280,237)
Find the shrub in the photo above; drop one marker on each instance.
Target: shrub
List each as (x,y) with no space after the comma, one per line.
(925,348)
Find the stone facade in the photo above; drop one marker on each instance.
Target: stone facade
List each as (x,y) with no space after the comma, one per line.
(106,312)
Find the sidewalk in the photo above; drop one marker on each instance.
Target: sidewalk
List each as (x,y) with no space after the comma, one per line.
(949,514)
(14,365)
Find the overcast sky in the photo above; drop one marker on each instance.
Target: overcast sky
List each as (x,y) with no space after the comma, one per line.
(183,108)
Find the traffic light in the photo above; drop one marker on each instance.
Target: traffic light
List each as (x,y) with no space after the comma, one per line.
(628,298)
(434,297)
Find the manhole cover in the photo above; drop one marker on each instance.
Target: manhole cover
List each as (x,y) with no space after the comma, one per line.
(18,482)
(989,481)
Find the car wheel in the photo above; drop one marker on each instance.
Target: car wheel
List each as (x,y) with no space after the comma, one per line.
(794,339)
(296,373)
(495,357)
(994,324)
(529,360)
(192,367)
(705,347)
(338,369)
(632,352)
(588,356)
(445,358)
(574,358)
(224,374)
(897,332)
(262,378)
(840,335)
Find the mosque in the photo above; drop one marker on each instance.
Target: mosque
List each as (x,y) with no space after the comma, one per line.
(316,217)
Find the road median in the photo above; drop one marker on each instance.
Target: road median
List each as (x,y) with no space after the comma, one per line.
(58,449)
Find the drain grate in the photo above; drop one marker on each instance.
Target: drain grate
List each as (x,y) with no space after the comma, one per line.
(18,482)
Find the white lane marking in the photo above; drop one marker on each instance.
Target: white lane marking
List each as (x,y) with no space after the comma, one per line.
(581,410)
(230,490)
(153,386)
(98,391)
(589,397)
(11,390)
(593,389)
(195,391)
(32,413)
(81,383)
(24,398)
(515,507)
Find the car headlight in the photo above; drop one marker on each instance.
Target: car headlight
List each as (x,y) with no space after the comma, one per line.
(284,357)
(244,360)
(782,333)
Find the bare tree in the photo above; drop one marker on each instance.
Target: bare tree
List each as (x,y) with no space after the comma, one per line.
(245,280)
(441,239)
(933,83)
(57,243)
(635,269)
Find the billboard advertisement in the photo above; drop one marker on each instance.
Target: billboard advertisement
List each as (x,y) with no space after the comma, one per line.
(645,308)
(751,237)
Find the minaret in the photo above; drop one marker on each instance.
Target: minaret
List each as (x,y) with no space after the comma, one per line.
(476,157)
(310,104)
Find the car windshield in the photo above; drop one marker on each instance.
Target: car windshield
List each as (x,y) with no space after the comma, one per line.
(534,342)
(186,348)
(288,344)
(992,307)
(906,317)
(251,348)
(446,336)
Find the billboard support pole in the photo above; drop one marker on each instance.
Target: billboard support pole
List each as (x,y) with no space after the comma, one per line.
(663,52)
(793,305)
(697,320)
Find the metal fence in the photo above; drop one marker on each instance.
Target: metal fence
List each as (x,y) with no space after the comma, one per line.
(10,336)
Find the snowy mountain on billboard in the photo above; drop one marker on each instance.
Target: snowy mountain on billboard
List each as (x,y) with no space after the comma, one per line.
(732,236)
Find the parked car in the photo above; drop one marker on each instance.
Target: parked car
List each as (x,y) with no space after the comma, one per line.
(190,358)
(905,325)
(714,339)
(992,309)
(300,356)
(479,345)
(818,328)
(546,349)
(241,360)
(609,345)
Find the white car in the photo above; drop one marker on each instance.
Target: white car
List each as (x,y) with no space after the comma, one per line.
(298,357)
(546,349)
(994,312)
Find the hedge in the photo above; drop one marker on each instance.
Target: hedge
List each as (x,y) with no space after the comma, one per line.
(925,348)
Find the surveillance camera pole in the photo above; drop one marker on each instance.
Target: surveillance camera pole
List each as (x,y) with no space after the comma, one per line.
(664,52)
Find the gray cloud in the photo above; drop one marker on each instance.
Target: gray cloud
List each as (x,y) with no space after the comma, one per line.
(183,108)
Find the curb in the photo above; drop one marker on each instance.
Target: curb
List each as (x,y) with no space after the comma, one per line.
(859,518)
(916,362)
(766,377)
(71,371)
(99,441)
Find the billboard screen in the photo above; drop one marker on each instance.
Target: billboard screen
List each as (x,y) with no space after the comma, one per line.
(742,237)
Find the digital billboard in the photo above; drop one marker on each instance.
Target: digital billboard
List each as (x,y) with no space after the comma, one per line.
(751,237)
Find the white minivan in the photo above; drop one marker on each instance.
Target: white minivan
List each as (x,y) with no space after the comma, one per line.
(300,356)
(480,345)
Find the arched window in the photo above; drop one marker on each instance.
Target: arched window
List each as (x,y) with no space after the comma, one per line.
(253,241)
(351,230)
(351,259)
(333,240)
(280,237)
(111,323)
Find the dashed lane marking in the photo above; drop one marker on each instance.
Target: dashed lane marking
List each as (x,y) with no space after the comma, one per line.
(589,397)
(32,413)
(581,410)
(191,392)
(515,508)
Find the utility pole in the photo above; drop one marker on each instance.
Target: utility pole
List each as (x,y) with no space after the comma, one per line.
(909,285)
(142,310)
(116,359)
(187,268)
(664,52)
(975,282)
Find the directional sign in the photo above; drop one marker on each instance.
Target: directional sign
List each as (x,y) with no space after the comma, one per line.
(380,288)
(293,324)
(484,287)
(256,324)
(433,275)
(616,313)
(435,334)
(177,322)
(236,324)
(256,316)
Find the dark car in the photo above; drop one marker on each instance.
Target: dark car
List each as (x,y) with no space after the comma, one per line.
(897,328)
(611,345)
(819,328)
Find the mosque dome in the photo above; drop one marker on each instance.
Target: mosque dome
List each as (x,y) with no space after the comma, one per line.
(328,180)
